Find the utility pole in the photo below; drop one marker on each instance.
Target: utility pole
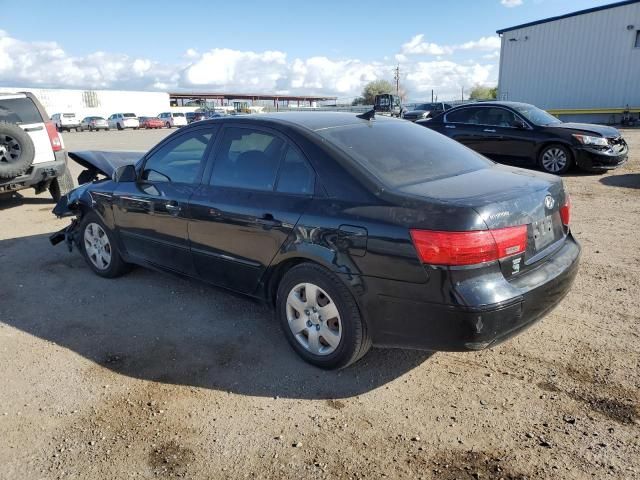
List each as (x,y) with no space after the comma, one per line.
(396,77)
(432,95)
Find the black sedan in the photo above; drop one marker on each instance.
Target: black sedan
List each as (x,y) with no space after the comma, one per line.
(422,111)
(524,135)
(360,231)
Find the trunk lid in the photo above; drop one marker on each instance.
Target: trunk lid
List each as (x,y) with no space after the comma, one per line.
(505,197)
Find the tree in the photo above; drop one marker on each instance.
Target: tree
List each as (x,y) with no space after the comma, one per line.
(480,92)
(358,101)
(374,88)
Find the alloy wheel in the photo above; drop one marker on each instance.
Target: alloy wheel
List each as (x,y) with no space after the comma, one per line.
(554,159)
(97,246)
(313,318)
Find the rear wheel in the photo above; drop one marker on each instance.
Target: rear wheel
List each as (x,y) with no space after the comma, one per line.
(61,185)
(98,246)
(555,159)
(119,127)
(320,317)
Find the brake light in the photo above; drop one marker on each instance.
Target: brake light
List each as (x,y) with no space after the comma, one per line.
(54,137)
(469,248)
(565,211)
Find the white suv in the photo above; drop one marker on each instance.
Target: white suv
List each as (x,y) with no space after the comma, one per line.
(66,121)
(123,120)
(173,119)
(31,150)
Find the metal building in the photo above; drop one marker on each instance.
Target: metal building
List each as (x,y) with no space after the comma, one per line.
(581,66)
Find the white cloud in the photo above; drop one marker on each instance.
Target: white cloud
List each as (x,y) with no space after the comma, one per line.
(511,3)
(484,43)
(416,46)
(47,64)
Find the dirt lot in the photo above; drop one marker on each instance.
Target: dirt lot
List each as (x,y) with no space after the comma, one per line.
(151,376)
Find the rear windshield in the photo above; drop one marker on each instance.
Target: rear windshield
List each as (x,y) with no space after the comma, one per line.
(19,110)
(178,114)
(68,115)
(402,153)
(129,115)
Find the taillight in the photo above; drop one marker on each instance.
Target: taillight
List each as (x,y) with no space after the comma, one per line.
(56,143)
(565,211)
(469,248)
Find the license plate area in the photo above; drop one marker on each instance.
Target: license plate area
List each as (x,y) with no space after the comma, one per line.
(543,233)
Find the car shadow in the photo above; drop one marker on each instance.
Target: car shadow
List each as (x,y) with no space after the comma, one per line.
(628,180)
(156,327)
(15,199)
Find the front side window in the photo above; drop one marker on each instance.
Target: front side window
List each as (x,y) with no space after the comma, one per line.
(247,158)
(179,160)
(296,176)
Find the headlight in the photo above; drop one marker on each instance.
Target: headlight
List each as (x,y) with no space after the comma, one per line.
(589,140)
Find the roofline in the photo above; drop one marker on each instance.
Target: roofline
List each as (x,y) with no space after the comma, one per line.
(226,95)
(568,15)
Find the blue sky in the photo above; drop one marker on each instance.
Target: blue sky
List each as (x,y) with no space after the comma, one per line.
(317,47)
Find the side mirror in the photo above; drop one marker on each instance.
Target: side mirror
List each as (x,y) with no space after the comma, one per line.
(125,173)
(517,123)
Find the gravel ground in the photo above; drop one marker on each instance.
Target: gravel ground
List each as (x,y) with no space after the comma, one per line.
(151,376)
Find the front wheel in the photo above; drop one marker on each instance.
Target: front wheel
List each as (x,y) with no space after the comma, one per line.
(320,317)
(555,159)
(119,127)
(98,247)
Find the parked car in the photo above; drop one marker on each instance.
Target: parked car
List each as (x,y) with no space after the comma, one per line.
(65,121)
(524,135)
(32,153)
(359,232)
(93,123)
(173,119)
(151,122)
(123,120)
(425,110)
(198,116)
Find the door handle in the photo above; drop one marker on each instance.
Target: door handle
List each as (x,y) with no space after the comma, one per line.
(172,208)
(489,130)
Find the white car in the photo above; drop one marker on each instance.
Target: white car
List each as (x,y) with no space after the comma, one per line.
(173,119)
(66,121)
(123,120)
(32,153)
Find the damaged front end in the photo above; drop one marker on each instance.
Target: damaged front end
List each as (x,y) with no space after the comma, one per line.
(70,205)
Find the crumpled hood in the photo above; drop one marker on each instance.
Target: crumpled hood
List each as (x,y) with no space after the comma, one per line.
(105,162)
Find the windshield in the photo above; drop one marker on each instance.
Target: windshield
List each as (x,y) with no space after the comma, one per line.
(536,115)
(401,153)
(129,115)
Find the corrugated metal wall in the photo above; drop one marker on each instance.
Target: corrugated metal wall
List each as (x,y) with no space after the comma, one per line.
(586,61)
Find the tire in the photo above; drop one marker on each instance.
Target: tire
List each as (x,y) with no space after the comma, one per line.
(108,128)
(61,185)
(168,125)
(78,129)
(119,127)
(90,228)
(555,159)
(342,322)
(16,150)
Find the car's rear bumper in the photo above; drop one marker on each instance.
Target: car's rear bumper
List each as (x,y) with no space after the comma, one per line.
(37,174)
(400,321)
(596,160)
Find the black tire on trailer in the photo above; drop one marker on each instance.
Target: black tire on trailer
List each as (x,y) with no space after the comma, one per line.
(16,150)
(61,185)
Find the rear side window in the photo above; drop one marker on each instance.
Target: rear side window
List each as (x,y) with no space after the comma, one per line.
(247,158)
(402,153)
(179,160)
(19,110)
(296,176)
(463,115)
